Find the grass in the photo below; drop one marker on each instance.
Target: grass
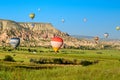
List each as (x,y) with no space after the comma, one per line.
(106,69)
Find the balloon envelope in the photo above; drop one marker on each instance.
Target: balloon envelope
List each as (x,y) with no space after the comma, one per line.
(38,9)
(106,35)
(32,15)
(15,42)
(85,19)
(63,20)
(56,43)
(117,28)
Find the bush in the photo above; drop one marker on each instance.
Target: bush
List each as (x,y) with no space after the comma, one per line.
(58,61)
(32,60)
(86,48)
(86,63)
(63,61)
(66,61)
(107,46)
(32,50)
(9,58)
(43,60)
(99,52)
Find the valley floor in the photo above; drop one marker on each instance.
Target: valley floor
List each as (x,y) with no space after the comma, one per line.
(68,64)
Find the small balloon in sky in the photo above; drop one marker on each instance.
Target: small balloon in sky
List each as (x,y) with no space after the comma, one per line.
(63,20)
(38,9)
(117,28)
(106,35)
(32,15)
(85,19)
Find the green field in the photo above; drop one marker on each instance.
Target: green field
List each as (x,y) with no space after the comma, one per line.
(104,64)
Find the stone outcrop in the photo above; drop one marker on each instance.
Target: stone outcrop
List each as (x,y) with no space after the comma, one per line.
(36,34)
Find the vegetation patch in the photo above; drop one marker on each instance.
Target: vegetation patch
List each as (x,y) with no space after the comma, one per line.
(99,52)
(86,63)
(34,67)
(9,58)
(62,61)
(32,50)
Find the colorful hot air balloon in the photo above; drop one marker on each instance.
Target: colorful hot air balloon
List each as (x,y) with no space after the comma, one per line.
(96,39)
(32,15)
(56,43)
(106,35)
(15,42)
(117,28)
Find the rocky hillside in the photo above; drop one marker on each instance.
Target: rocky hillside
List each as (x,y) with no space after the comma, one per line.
(36,34)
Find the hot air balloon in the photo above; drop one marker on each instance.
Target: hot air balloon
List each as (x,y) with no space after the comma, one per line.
(38,9)
(117,28)
(96,39)
(63,20)
(56,43)
(32,15)
(85,19)
(106,35)
(15,42)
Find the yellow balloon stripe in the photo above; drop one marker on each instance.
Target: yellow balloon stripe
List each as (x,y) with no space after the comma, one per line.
(55,49)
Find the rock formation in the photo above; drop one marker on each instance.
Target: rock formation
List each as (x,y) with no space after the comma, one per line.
(38,35)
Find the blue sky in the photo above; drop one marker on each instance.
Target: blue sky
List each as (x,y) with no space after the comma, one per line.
(102,15)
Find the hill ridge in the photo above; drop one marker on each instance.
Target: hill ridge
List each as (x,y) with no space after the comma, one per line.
(37,34)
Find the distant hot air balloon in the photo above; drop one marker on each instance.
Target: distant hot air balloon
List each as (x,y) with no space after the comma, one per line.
(117,28)
(38,9)
(85,19)
(56,43)
(32,15)
(63,20)
(96,39)
(106,35)
(15,42)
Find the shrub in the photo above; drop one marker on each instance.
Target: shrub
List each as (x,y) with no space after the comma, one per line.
(75,61)
(86,63)
(63,61)
(42,61)
(32,50)
(86,48)
(107,46)
(58,61)
(66,61)
(33,60)
(9,58)
(99,52)
(9,49)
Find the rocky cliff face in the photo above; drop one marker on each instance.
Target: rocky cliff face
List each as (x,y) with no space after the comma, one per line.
(36,34)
